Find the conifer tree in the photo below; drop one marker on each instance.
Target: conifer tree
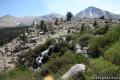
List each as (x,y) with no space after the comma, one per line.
(56,21)
(69,16)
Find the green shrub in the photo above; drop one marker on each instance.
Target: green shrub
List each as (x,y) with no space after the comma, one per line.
(23,37)
(82,28)
(101,68)
(116,28)
(70,37)
(103,42)
(50,41)
(59,65)
(95,24)
(56,22)
(20,73)
(95,49)
(84,39)
(113,54)
(101,30)
(110,37)
(40,48)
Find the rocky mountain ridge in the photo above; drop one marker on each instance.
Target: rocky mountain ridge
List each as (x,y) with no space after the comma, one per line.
(12,21)
(90,12)
(93,12)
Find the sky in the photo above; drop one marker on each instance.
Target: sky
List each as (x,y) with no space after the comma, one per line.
(42,7)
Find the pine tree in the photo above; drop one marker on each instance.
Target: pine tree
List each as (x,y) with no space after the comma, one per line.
(69,16)
(106,28)
(43,26)
(102,17)
(42,23)
(82,28)
(95,24)
(62,19)
(33,24)
(23,36)
(56,21)
(45,29)
(68,30)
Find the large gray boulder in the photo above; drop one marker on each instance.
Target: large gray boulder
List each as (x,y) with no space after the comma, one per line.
(78,68)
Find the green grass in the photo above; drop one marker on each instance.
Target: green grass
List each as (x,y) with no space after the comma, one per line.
(20,73)
(113,54)
(101,67)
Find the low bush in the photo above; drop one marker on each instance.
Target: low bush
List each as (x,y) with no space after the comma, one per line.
(103,42)
(70,37)
(50,41)
(84,39)
(101,68)
(101,30)
(59,65)
(20,73)
(113,54)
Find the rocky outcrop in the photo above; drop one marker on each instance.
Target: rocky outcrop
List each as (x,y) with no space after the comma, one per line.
(80,50)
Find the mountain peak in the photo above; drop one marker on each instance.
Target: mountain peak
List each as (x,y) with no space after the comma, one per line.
(51,16)
(7,16)
(53,13)
(93,8)
(90,7)
(93,12)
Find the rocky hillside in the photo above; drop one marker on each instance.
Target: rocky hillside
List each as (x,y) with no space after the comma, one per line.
(10,51)
(11,21)
(35,37)
(78,49)
(51,16)
(8,21)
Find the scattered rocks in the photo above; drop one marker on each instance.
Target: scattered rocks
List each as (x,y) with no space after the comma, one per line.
(35,38)
(80,50)
(8,53)
(21,46)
